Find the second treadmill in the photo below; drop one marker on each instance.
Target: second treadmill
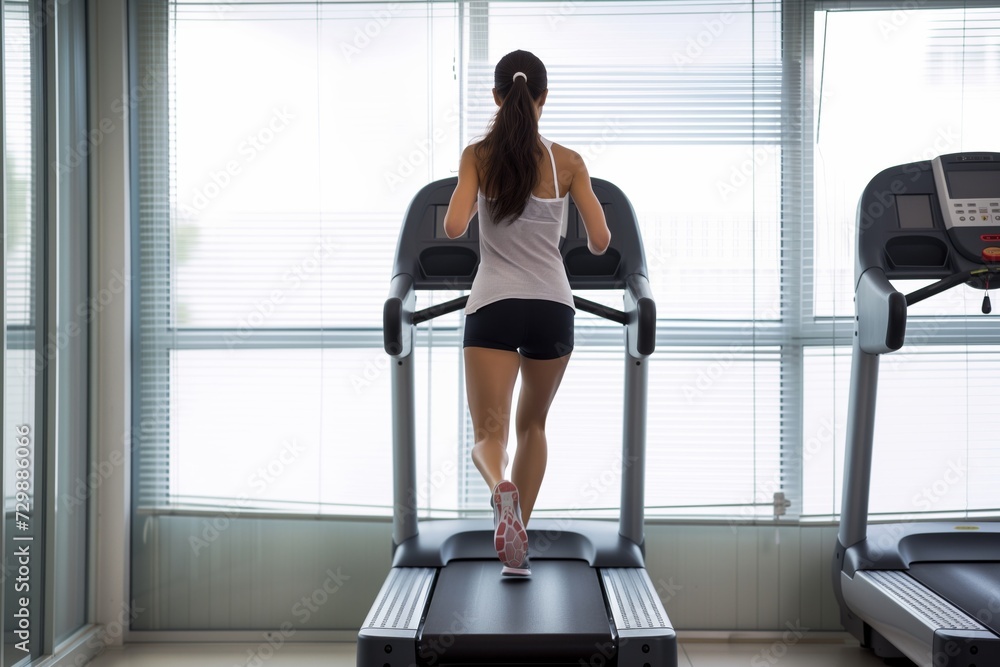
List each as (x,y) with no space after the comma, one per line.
(929,591)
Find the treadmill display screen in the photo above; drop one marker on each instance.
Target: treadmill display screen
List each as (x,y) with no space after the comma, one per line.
(974,184)
(914,211)
(439,212)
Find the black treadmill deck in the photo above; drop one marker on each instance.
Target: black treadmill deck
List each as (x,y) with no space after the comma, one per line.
(972,587)
(477,615)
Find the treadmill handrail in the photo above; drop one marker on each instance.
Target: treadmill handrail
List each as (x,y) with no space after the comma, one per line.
(640,311)
(439,309)
(451,271)
(946,283)
(600,310)
(398,315)
(881,313)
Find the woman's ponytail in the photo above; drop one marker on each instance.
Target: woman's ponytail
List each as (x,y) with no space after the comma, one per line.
(510,152)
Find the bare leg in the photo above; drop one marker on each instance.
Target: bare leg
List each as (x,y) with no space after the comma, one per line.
(489,379)
(539,381)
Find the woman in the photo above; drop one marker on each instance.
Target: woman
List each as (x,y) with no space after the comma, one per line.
(519,316)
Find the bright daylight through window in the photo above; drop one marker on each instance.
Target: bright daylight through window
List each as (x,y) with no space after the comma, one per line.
(742,132)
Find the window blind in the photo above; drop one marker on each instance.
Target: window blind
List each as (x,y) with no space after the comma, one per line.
(933,442)
(268,209)
(20,185)
(272,183)
(20,191)
(933,453)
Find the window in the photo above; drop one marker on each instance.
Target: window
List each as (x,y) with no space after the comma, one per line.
(271,184)
(270,225)
(898,87)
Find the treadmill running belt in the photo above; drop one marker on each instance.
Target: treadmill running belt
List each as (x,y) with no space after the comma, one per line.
(555,615)
(972,587)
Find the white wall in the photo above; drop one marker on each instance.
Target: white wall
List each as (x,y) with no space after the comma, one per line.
(248,573)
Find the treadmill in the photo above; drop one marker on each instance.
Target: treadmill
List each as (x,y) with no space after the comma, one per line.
(589,599)
(929,591)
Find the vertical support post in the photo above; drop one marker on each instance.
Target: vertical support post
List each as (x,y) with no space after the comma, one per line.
(634,447)
(404,448)
(858,454)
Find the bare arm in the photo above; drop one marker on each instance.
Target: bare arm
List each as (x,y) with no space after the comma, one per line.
(590,209)
(464,200)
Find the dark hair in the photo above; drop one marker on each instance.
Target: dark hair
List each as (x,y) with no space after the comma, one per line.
(509,153)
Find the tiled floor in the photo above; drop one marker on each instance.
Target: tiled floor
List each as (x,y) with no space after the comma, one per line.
(692,654)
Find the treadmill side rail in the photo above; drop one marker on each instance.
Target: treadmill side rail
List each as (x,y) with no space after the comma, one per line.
(388,636)
(645,636)
(928,629)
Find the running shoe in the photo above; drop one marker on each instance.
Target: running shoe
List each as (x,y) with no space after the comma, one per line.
(523,571)
(510,538)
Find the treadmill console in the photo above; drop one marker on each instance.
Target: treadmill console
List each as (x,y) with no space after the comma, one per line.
(931,219)
(968,186)
(434,261)
(968,189)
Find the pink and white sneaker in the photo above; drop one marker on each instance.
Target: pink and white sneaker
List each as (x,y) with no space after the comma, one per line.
(510,538)
(523,571)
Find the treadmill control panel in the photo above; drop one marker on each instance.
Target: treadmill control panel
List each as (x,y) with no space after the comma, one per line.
(930,219)
(968,186)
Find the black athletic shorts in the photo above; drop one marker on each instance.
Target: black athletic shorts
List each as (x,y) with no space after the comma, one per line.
(537,328)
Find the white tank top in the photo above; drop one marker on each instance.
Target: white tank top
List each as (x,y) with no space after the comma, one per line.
(521,260)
